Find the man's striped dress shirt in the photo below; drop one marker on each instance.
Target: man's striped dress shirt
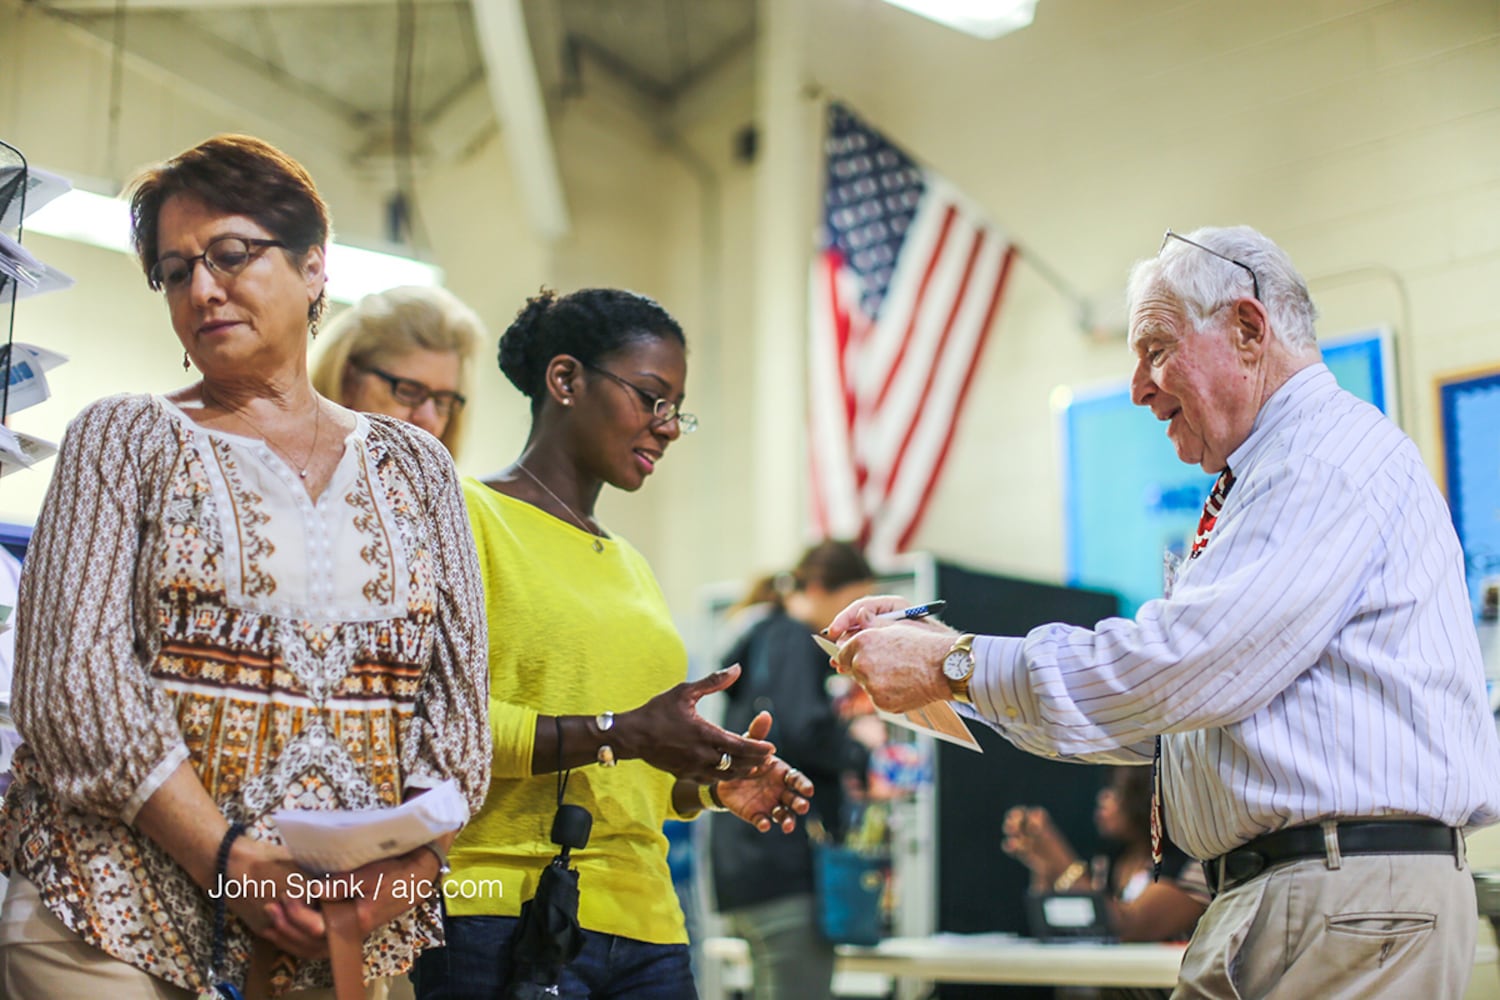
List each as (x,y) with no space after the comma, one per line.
(1318,659)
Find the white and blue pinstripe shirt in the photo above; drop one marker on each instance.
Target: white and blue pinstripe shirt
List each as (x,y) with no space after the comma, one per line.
(1318,659)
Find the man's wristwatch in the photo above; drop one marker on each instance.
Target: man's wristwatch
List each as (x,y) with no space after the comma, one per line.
(958,667)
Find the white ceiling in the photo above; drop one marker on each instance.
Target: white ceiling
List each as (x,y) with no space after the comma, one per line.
(355,71)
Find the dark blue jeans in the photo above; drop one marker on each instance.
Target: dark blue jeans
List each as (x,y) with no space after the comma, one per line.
(475,966)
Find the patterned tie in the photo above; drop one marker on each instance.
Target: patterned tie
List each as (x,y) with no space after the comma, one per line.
(1206,523)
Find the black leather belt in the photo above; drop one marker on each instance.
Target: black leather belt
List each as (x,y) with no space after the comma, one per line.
(1299,843)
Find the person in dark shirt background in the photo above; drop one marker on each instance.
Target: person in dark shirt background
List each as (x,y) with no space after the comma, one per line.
(764,884)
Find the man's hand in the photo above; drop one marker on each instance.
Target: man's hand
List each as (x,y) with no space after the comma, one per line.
(899,664)
(862,614)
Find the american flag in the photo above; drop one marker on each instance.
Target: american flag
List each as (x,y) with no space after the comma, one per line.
(903,296)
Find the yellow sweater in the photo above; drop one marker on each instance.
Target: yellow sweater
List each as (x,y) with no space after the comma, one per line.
(572,632)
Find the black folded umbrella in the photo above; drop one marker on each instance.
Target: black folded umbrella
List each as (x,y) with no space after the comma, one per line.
(548,936)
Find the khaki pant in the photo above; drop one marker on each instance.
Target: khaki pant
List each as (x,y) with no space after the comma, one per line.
(789,959)
(1385,925)
(41,959)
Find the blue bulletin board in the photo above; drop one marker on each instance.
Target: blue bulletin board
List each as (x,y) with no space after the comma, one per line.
(1129,499)
(1469,406)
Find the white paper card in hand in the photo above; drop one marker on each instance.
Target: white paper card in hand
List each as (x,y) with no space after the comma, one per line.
(340,840)
(937,719)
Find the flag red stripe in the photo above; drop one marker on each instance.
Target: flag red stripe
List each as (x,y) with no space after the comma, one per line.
(831,267)
(958,301)
(833,263)
(958,408)
(916,307)
(844,349)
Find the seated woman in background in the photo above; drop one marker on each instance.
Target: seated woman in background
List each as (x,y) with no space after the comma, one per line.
(587,671)
(403,352)
(239,598)
(764,885)
(1141,910)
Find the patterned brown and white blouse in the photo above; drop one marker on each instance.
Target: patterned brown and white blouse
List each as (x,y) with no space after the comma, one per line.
(184,599)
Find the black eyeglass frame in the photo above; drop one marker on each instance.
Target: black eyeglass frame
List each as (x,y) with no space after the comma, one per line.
(253,249)
(1254,281)
(445,401)
(687,421)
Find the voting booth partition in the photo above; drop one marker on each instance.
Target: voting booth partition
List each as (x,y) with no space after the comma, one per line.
(979,889)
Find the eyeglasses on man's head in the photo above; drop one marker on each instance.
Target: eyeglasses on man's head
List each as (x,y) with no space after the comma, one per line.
(225,255)
(410,392)
(1254,281)
(662,410)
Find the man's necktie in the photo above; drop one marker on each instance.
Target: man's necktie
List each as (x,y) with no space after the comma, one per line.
(1206,522)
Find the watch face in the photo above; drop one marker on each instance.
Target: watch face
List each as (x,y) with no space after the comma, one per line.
(957,664)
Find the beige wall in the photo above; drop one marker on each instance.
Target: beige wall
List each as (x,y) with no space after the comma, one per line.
(1364,136)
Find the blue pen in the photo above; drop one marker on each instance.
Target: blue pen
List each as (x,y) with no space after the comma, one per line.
(907,614)
(918,611)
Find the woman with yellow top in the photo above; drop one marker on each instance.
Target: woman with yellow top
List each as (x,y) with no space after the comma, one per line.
(587,670)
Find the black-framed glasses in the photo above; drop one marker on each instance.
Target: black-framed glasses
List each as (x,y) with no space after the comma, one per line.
(1254,281)
(225,255)
(662,410)
(410,392)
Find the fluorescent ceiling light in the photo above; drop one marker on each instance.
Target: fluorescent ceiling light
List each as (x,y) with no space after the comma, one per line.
(354,273)
(105,222)
(980,18)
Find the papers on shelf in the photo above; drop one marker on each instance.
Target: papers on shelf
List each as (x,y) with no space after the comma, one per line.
(28,384)
(31,276)
(340,840)
(16,262)
(22,451)
(50,280)
(41,187)
(938,720)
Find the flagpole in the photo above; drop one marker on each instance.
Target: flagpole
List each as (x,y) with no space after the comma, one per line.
(1083,308)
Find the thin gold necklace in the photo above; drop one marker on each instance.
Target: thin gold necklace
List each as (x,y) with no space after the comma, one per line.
(317,429)
(598,545)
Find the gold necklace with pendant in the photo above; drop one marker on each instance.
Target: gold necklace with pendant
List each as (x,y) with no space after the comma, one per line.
(598,544)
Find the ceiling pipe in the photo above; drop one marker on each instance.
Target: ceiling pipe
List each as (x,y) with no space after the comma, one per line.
(516,94)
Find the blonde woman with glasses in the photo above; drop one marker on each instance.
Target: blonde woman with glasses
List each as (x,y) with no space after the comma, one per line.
(405,353)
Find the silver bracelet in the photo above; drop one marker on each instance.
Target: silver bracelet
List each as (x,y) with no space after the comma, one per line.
(605,721)
(442,859)
(708,798)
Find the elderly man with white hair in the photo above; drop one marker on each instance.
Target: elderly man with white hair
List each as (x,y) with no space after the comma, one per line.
(1310,688)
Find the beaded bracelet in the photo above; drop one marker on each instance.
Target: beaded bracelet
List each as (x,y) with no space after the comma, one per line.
(221,869)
